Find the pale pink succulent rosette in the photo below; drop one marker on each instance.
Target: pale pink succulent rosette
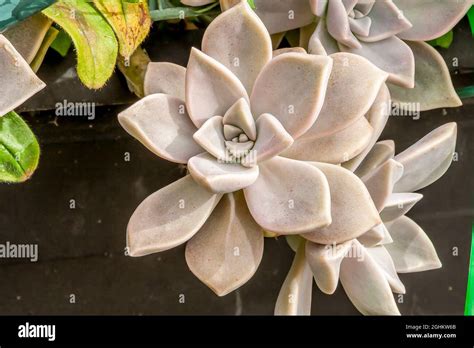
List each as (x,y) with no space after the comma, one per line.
(235,98)
(390,34)
(367,266)
(20,82)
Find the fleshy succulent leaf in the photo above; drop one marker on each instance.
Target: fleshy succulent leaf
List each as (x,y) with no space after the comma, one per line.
(306,76)
(411,250)
(211,88)
(280,204)
(276,15)
(238,39)
(325,262)
(130,20)
(428,159)
(169,217)
(15,11)
(351,217)
(28,36)
(431,18)
(166,78)
(19,80)
(366,284)
(294,297)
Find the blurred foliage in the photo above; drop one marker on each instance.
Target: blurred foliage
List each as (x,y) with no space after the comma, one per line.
(14,11)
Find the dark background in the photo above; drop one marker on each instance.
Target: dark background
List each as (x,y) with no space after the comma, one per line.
(81,251)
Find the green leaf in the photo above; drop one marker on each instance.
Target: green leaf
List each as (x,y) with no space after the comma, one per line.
(469,309)
(130,20)
(19,149)
(94,39)
(444,41)
(14,11)
(62,43)
(51,35)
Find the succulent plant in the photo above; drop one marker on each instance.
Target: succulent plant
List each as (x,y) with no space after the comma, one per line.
(203,116)
(14,11)
(19,150)
(367,266)
(280,142)
(388,33)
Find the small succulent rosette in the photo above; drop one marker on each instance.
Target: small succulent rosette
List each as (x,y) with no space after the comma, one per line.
(367,265)
(390,34)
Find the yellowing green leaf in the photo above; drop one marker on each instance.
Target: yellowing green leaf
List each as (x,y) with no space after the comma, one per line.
(130,20)
(19,149)
(92,36)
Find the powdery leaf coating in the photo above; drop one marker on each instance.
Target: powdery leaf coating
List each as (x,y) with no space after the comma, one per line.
(168,133)
(377,116)
(375,30)
(94,39)
(365,283)
(380,182)
(166,78)
(284,15)
(411,250)
(398,204)
(221,177)
(238,39)
(383,258)
(379,154)
(272,138)
(353,213)
(289,197)
(306,76)
(431,18)
(325,262)
(391,55)
(28,35)
(433,86)
(378,235)
(353,86)
(228,249)
(211,88)
(169,217)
